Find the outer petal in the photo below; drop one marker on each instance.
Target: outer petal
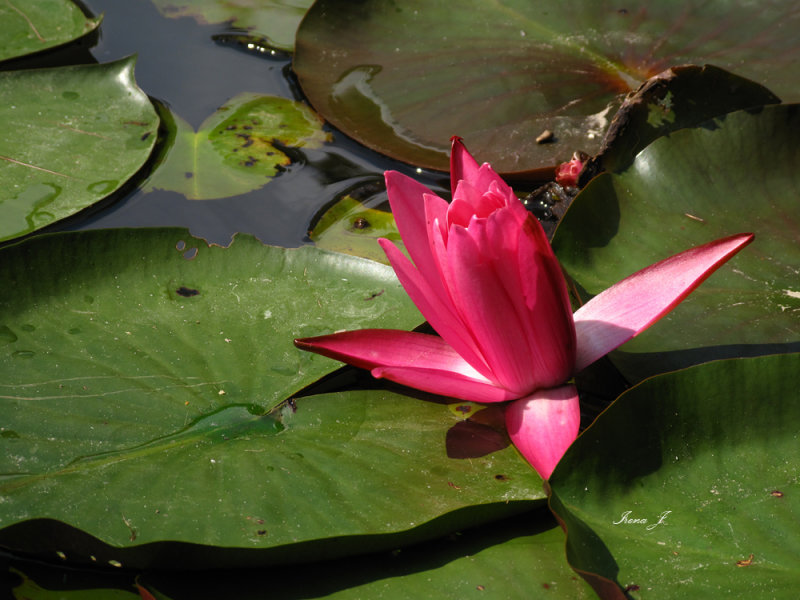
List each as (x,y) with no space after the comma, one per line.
(422,361)
(549,314)
(625,309)
(445,384)
(406,198)
(371,348)
(435,306)
(543,425)
(462,164)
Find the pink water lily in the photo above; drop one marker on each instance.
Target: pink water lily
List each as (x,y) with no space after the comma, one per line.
(486,279)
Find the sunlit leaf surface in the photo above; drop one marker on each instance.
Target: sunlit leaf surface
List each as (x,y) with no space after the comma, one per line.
(70,136)
(27,27)
(143,380)
(353,228)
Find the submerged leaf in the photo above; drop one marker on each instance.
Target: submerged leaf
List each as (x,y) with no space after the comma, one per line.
(238,149)
(275,19)
(351,227)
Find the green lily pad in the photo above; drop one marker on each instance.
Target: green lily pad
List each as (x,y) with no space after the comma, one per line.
(517,558)
(27,27)
(236,149)
(403,78)
(70,137)
(353,228)
(734,174)
(86,588)
(687,485)
(275,19)
(504,559)
(143,380)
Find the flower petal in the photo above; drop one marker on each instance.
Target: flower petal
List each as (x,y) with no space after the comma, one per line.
(543,425)
(462,165)
(371,348)
(627,308)
(487,308)
(445,383)
(406,198)
(545,300)
(419,360)
(435,306)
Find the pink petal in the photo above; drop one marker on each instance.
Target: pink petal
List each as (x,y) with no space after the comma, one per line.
(372,348)
(462,165)
(625,309)
(422,361)
(436,307)
(543,425)
(445,383)
(549,313)
(487,308)
(406,198)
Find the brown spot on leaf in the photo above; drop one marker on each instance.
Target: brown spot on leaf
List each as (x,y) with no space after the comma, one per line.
(186,292)
(745,562)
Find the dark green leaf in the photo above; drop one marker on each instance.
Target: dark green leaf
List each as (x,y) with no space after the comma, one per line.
(403,78)
(519,558)
(708,457)
(734,174)
(511,559)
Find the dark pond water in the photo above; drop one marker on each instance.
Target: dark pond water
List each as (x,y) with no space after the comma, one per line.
(182,66)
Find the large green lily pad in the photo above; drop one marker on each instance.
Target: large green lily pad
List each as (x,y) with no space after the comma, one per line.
(70,137)
(27,27)
(236,149)
(85,588)
(518,558)
(143,375)
(403,78)
(687,486)
(511,558)
(734,174)
(277,20)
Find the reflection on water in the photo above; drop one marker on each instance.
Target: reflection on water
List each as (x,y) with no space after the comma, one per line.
(193,70)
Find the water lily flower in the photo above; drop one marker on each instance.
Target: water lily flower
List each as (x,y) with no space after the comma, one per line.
(486,279)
